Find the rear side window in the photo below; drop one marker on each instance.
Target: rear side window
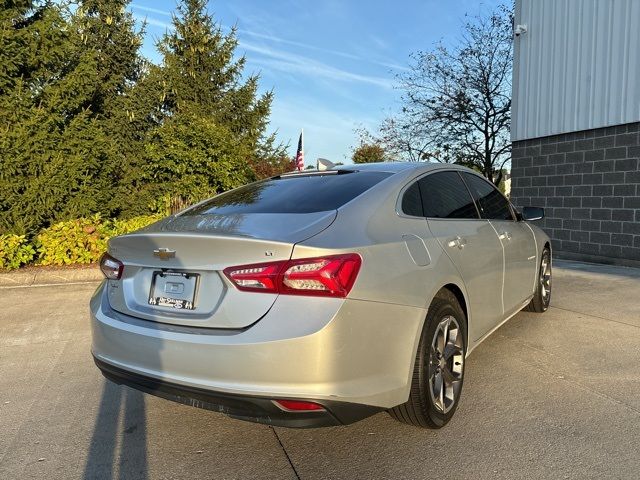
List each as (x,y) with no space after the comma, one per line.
(444,195)
(493,205)
(412,202)
(293,194)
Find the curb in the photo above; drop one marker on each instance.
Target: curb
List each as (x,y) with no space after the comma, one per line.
(588,268)
(50,276)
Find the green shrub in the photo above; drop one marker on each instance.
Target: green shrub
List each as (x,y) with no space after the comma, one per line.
(120,227)
(76,241)
(83,240)
(14,251)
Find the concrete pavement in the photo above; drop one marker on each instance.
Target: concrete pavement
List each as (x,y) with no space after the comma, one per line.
(36,276)
(547,396)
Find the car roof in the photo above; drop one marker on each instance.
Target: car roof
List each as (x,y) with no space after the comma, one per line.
(387,167)
(398,170)
(391,167)
(397,167)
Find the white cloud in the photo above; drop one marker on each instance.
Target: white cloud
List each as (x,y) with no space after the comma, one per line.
(274,38)
(151,10)
(288,62)
(299,44)
(339,53)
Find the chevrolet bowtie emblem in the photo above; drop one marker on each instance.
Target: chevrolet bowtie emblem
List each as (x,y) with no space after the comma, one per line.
(164,253)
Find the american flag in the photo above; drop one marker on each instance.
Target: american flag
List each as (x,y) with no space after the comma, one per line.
(300,155)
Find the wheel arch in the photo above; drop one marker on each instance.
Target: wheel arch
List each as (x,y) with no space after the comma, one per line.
(547,244)
(462,300)
(460,294)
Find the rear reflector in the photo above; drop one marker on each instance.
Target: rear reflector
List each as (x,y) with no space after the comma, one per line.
(111,267)
(330,276)
(298,406)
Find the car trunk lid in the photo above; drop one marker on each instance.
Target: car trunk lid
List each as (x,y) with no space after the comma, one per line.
(173,270)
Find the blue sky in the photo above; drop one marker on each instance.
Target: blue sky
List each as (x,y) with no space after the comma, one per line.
(332,64)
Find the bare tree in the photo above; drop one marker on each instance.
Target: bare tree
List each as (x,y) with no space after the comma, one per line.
(406,137)
(457,100)
(400,138)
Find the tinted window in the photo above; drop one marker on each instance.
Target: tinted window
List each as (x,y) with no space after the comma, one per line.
(492,203)
(444,195)
(293,194)
(412,202)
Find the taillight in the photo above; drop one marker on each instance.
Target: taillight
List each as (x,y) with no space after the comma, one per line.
(261,277)
(331,276)
(111,267)
(328,276)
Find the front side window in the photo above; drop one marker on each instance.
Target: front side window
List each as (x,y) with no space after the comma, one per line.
(492,204)
(444,195)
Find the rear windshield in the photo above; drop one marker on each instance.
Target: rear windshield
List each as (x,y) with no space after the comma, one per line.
(303,194)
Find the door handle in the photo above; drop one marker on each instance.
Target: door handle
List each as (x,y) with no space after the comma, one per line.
(504,236)
(458,242)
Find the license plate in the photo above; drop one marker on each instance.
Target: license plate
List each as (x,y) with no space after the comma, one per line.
(175,290)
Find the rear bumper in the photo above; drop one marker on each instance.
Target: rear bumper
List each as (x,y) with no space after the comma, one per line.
(241,407)
(353,357)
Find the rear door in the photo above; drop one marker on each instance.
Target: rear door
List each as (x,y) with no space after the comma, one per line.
(470,242)
(516,237)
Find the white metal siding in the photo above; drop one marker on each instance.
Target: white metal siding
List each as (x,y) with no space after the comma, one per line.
(577,67)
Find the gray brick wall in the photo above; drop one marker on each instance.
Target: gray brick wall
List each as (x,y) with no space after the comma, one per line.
(589,184)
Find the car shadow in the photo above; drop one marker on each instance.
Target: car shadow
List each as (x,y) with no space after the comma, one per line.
(118,446)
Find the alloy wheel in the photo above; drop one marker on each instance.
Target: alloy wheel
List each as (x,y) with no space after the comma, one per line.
(545,278)
(446,364)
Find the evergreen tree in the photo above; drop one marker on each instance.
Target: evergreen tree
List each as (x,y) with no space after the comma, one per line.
(87,125)
(271,159)
(203,87)
(66,111)
(20,21)
(33,57)
(123,107)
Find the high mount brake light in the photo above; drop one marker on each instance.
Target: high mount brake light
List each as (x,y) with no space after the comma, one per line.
(330,276)
(111,267)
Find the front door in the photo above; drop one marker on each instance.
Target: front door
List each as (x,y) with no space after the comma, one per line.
(519,260)
(517,240)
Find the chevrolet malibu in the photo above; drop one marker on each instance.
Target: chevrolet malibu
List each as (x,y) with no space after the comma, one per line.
(320,298)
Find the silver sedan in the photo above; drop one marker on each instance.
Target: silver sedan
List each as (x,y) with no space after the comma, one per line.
(320,298)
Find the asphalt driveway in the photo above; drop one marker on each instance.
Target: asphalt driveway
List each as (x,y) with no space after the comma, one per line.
(547,396)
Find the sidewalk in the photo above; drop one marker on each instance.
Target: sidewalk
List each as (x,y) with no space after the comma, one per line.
(34,276)
(597,268)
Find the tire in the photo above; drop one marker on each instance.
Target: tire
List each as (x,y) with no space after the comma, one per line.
(424,408)
(542,297)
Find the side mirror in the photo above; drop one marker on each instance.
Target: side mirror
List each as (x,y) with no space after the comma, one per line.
(532,213)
